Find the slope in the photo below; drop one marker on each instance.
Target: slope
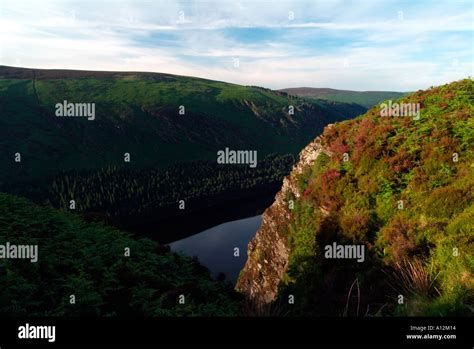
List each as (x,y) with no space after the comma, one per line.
(402,187)
(108,272)
(138,113)
(170,128)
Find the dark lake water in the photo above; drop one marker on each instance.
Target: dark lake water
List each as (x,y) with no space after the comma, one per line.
(214,247)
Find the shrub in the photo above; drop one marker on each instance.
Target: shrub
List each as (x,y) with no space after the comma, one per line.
(399,238)
(447,201)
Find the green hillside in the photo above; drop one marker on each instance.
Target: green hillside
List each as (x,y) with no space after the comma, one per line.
(138,113)
(173,157)
(89,262)
(407,194)
(365,98)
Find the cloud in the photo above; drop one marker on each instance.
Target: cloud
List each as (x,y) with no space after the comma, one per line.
(361,45)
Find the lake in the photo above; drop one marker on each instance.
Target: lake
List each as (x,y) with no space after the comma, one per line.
(215,246)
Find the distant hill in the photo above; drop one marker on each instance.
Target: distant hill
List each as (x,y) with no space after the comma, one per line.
(365,98)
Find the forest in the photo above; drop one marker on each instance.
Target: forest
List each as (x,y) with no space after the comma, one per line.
(124,195)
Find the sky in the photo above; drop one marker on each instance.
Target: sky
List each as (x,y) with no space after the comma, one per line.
(358,45)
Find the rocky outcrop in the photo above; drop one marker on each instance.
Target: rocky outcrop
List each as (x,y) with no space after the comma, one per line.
(268,252)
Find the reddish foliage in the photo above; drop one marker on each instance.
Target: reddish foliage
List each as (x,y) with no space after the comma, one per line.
(328,191)
(330,175)
(338,146)
(365,127)
(400,236)
(402,161)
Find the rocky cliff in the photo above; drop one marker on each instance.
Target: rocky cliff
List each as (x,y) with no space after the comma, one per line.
(268,252)
(400,188)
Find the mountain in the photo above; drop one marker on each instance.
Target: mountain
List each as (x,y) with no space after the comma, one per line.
(139,113)
(400,189)
(169,128)
(365,98)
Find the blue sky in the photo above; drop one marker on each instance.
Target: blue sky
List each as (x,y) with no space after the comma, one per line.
(359,45)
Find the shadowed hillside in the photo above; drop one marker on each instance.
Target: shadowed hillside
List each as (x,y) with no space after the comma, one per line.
(108,272)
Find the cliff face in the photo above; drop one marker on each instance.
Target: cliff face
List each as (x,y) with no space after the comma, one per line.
(400,188)
(268,252)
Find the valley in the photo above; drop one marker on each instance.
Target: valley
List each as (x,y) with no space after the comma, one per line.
(177,171)
(148,147)
(237,173)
